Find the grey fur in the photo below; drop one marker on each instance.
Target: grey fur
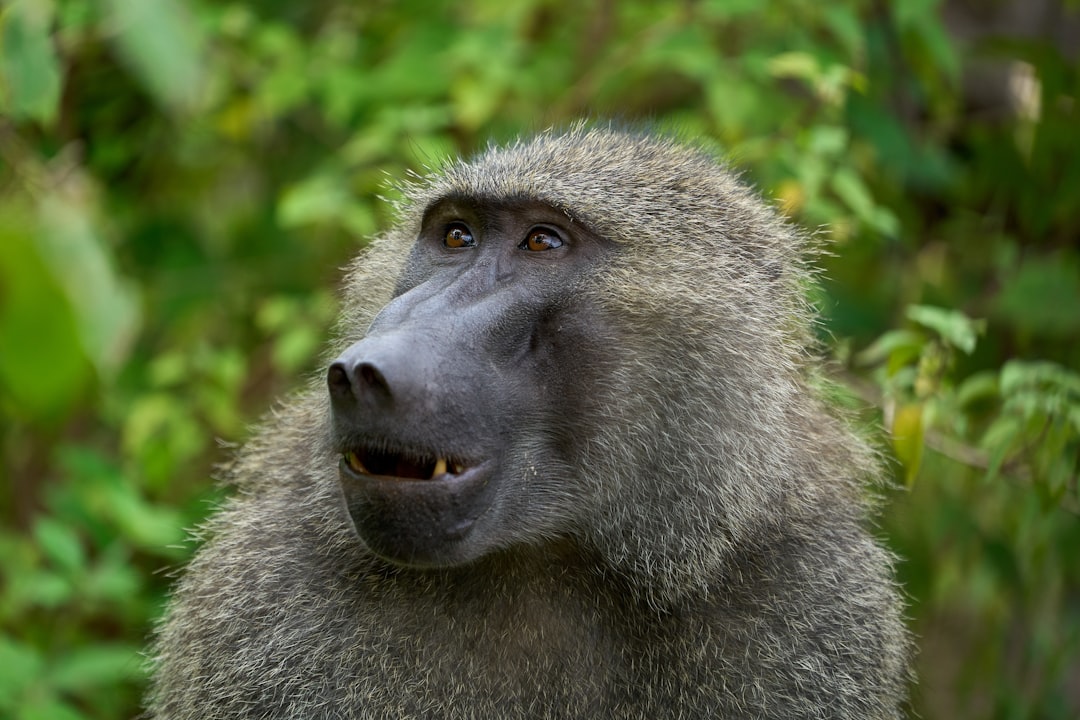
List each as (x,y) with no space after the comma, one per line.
(703,555)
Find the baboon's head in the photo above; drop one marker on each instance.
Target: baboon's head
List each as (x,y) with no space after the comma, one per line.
(592,336)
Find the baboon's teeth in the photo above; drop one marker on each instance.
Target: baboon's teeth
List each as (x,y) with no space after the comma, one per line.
(392,465)
(354,463)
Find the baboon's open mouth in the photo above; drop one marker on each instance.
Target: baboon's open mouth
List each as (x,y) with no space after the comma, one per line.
(396,465)
(415,507)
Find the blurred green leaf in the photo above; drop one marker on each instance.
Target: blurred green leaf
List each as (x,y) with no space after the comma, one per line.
(48,707)
(33,306)
(732,8)
(299,328)
(30,79)
(96,666)
(953,326)
(316,199)
(1000,440)
(977,387)
(163,44)
(41,589)
(325,199)
(105,304)
(829,140)
(1043,296)
(113,582)
(908,429)
(1018,375)
(147,526)
(898,346)
(162,433)
(920,17)
(844,22)
(170,369)
(851,189)
(22,665)
(61,545)
(795,64)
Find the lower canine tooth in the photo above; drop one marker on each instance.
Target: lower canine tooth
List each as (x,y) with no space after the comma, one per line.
(354,462)
(440,467)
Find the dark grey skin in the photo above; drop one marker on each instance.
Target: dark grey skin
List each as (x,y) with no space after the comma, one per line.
(472,362)
(568,461)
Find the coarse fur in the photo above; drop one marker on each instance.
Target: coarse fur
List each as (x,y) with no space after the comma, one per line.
(687,540)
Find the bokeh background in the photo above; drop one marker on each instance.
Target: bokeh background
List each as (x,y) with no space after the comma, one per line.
(182,180)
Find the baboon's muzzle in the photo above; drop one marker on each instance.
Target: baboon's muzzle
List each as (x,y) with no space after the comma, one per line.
(417,421)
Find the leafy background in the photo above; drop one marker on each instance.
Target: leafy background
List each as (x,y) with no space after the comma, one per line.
(180,182)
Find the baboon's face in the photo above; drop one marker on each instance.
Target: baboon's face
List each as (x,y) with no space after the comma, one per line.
(457,415)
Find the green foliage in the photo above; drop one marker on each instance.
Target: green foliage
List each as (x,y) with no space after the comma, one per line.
(30,67)
(180,182)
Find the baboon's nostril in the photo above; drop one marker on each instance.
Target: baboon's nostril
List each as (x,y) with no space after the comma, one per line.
(348,379)
(337,378)
(371,376)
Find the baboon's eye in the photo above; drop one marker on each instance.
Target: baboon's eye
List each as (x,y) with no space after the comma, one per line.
(541,239)
(458,236)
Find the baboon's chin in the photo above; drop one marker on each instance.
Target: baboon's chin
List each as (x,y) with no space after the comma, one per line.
(424,514)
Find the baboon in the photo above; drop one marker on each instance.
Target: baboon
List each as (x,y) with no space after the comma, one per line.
(568,462)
